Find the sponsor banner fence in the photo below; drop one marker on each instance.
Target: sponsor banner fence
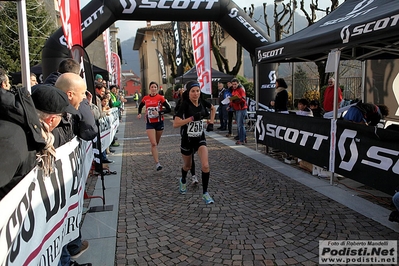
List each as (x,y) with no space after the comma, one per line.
(304,137)
(366,154)
(108,126)
(42,214)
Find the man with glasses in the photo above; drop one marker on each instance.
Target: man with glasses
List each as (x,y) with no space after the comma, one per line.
(328,103)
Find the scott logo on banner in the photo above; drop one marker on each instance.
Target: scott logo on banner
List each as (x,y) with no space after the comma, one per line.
(369,27)
(234,14)
(130,5)
(272,83)
(347,144)
(358,10)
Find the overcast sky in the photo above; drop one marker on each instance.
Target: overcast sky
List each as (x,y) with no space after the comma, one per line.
(127,29)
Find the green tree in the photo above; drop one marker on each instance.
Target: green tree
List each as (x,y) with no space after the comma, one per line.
(40,25)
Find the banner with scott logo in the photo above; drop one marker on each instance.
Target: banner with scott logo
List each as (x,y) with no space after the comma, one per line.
(179,54)
(42,214)
(368,155)
(307,138)
(363,153)
(161,66)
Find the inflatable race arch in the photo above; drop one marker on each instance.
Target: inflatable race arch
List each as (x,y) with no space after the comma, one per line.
(98,15)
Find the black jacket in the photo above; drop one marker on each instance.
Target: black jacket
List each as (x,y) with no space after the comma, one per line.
(82,125)
(16,106)
(20,137)
(19,160)
(370,112)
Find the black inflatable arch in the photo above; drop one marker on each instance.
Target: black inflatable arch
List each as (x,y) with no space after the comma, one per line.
(98,15)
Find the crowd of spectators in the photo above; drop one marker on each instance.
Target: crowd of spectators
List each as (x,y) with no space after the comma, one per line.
(34,124)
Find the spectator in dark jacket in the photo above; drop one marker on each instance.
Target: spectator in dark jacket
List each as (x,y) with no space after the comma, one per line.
(280,102)
(18,141)
(316,108)
(366,113)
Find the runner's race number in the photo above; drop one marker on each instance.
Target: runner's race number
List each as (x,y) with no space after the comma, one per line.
(195,128)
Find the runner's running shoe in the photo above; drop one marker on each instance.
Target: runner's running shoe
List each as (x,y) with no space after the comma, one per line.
(207,198)
(182,187)
(159,166)
(194,180)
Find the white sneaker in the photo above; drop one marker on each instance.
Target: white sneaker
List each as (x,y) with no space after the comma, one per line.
(194,180)
(158,167)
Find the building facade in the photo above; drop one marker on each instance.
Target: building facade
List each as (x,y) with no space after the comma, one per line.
(147,42)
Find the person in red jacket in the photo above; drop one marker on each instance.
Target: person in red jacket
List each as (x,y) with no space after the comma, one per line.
(328,103)
(238,102)
(154,117)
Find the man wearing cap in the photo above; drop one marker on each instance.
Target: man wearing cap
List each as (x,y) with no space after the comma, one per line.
(49,104)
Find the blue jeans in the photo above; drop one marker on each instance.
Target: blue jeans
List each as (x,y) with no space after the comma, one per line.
(65,259)
(223,116)
(240,118)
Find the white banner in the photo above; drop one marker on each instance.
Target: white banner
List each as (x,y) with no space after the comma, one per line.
(201,40)
(108,126)
(42,214)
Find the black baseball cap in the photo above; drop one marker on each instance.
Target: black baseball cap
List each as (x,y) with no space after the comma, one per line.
(51,100)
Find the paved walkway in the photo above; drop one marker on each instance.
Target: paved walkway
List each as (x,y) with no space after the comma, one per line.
(265,212)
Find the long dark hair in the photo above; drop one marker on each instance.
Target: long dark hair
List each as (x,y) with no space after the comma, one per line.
(281,83)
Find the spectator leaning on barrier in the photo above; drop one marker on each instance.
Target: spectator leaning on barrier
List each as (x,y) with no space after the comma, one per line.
(366,113)
(316,109)
(20,134)
(49,104)
(83,124)
(303,108)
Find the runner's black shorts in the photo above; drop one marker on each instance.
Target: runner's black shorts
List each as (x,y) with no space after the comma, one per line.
(190,146)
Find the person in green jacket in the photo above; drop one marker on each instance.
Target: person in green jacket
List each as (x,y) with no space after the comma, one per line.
(136,99)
